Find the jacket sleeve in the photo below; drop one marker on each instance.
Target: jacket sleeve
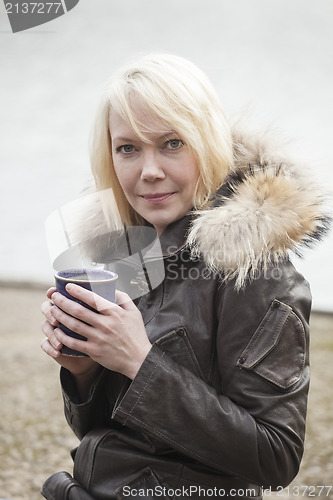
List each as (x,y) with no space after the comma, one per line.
(83,417)
(252,423)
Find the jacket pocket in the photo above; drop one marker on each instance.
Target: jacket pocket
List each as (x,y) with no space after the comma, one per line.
(177,345)
(277,349)
(144,485)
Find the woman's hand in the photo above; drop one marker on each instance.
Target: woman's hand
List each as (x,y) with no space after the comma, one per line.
(78,366)
(116,336)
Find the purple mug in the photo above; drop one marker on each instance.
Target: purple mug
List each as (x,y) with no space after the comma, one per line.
(100,281)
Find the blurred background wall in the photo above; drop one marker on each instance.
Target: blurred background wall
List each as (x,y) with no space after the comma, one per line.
(269,59)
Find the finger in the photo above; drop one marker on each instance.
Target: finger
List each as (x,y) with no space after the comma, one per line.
(124,300)
(48,330)
(50,291)
(46,310)
(72,308)
(91,298)
(71,342)
(48,349)
(71,321)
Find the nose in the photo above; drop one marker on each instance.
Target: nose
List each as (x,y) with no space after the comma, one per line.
(152,168)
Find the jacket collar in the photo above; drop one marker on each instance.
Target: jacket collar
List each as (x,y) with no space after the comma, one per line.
(174,237)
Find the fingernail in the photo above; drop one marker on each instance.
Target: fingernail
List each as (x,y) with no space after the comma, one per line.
(53,321)
(69,287)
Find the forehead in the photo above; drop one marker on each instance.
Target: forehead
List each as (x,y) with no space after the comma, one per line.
(136,119)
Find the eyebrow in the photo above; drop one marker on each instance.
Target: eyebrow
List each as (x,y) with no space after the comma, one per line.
(128,139)
(122,139)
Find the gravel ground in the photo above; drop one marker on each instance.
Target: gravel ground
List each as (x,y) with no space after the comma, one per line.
(35,439)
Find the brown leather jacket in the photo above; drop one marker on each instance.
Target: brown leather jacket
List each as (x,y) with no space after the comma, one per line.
(219,405)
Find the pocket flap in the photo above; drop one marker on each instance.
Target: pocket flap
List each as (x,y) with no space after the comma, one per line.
(267,335)
(177,344)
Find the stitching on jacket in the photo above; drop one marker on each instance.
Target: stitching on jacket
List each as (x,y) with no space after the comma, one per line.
(170,440)
(211,364)
(143,390)
(162,285)
(260,329)
(190,352)
(298,374)
(191,358)
(303,335)
(278,328)
(267,318)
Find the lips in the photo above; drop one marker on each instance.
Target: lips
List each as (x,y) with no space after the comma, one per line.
(156,197)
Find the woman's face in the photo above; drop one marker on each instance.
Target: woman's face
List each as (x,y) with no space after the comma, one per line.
(158,178)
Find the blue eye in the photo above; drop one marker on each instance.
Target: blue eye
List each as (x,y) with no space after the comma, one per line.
(174,144)
(126,149)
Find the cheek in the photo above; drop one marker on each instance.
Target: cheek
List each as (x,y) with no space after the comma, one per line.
(125,180)
(190,175)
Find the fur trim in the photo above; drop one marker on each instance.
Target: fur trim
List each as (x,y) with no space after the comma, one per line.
(271,207)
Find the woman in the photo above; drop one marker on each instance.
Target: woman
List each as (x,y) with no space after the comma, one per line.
(200,387)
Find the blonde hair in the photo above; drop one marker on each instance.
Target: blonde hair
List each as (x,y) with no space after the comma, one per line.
(178,94)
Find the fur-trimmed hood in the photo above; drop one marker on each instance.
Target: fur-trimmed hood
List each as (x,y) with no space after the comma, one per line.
(268,207)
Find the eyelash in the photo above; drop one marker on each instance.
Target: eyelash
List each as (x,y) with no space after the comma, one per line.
(120,149)
(174,140)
